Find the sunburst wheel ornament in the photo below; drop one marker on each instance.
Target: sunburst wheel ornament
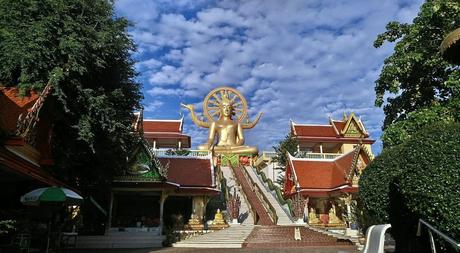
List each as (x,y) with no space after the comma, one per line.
(212,103)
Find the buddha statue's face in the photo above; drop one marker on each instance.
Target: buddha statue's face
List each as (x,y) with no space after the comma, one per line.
(227,109)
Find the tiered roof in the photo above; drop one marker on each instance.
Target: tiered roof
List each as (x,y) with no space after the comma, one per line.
(166,133)
(191,174)
(183,174)
(12,105)
(349,129)
(322,177)
(17,157)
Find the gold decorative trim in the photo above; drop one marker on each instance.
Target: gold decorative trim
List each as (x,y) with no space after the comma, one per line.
(451,38)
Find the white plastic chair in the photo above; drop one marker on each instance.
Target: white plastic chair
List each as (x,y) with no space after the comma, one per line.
(375,238)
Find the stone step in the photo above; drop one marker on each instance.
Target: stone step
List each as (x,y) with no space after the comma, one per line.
(232,237)
(283,217)
(283,236)
(256,204)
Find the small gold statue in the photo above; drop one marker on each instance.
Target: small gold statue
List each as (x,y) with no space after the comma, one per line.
(312,219)
(218,218)
(195,223)
(218,222)
(219,106)
(333,219)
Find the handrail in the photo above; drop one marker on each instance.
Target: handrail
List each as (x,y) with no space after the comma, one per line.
(242,193)
(439,233)
(277,190)
(264,200)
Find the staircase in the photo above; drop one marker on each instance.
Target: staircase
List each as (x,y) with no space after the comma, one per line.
(232,237)
(261,212)
(283,237)
(245,211)
(283,217)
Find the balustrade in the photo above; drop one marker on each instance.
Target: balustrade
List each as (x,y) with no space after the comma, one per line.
(263,199)
(182,152)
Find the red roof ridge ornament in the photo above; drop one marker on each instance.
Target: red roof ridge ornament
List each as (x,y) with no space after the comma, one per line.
(26,124)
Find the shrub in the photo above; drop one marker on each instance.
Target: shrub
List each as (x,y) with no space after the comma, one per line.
(418,179)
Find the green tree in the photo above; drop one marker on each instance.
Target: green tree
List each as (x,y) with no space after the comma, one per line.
(287,145)
(83,50)
(400,131)
(416,74)
(417,179)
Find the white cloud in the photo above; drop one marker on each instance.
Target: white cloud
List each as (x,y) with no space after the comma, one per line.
(300,60)
(153,106)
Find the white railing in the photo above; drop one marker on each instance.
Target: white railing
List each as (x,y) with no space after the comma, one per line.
(268,154)
(183,152)
(305,154)
(431,229)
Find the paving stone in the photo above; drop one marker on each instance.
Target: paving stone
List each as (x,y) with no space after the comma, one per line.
(283,236)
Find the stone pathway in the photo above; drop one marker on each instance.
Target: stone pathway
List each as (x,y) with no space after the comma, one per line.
(245,250)
(283,237)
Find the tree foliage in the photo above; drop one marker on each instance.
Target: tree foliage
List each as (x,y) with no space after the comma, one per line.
(417,179)
(287,145)
(416,74)
(400,131)
(83,50)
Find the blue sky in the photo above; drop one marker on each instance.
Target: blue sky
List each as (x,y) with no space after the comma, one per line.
(300,60)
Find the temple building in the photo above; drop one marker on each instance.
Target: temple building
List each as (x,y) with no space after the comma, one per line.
(326,168)
(165,134)
(25,144)
(337,137)
(165,185)
(25,125)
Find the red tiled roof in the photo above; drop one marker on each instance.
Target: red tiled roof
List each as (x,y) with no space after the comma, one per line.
(189,172)
(156,135)
(12,105)
(166,126)
(323,174)
(306,131)
(16,164)
(340,125)
(312,130)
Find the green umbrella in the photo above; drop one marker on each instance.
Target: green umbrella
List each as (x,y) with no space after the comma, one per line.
(51,195)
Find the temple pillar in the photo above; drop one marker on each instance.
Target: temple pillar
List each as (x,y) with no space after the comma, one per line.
(321,148)
(196,221)
(199,206)
(163,197)
(179,145)
(154,144)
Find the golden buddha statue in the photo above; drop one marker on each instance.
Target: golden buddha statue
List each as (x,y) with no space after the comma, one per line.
(218,222)
(312,219)
(218,218)
(219,106)
(194,223)
(333,219)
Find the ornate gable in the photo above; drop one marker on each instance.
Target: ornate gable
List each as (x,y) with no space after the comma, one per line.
(360,161)
(353,127)
(143,167)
